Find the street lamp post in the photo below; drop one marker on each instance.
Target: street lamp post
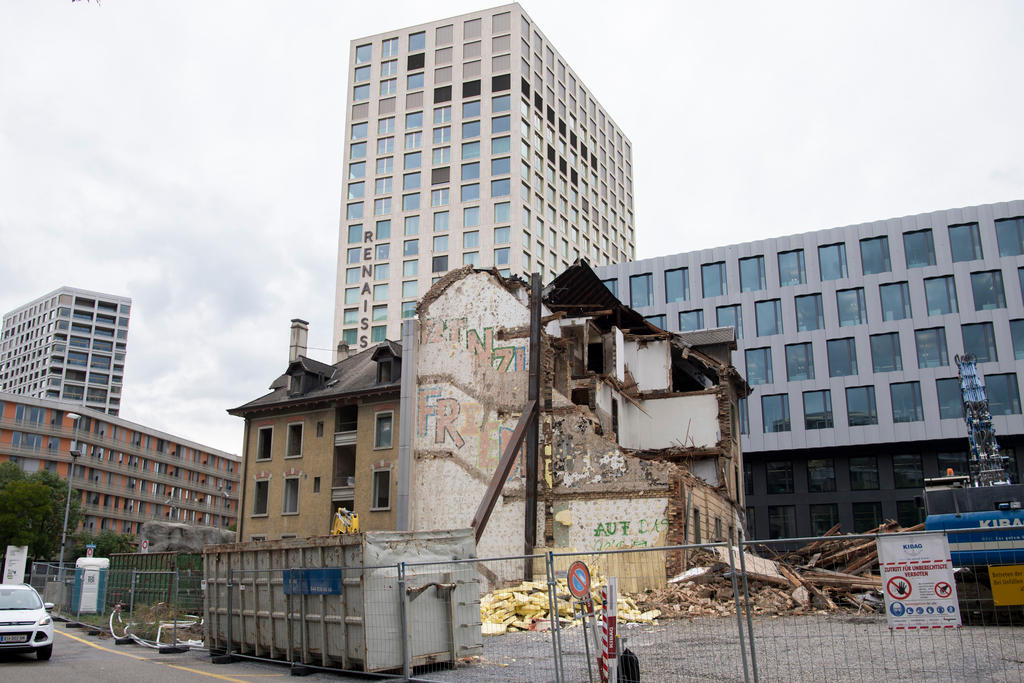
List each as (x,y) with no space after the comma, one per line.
(75,453)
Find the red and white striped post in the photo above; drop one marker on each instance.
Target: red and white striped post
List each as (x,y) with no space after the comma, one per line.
(610,612)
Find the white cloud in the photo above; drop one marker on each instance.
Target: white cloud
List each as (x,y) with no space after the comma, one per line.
(188,154)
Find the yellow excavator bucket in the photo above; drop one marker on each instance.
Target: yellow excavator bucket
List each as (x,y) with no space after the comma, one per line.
(345,522)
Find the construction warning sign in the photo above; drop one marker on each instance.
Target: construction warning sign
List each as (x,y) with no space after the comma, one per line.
(917,574)
(1007,584)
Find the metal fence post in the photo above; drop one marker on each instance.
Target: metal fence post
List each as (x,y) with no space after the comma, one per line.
(746,602)
(229,586)
(403,602)
(556,637)
(739,617)
(131,598)
(174,625)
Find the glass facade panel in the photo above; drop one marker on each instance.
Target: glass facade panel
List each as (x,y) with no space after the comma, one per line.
(866,517)
(1017,334)
(818,409)
(940,295)
(895,301)
(832,261)
(988,290)
(712,277)
(821,475)
(874,255)
(906,402)
(957,462)
(791,268)
(842,357)
(951,404)
(677,285)
(809,313)
(799,362)
(779,476)
(1010,236)
(907,471)
(965,242)
(851,307)
(980,339)
(931,348)
(860,406)
(752,274)
(781,521)
(759,366)
(1003,395)
(768,315)
(730,316)
(885,352)
(864,473)
(775,413)
(919,248)
(641,291)
(908,513)
(824,516)
(690,321)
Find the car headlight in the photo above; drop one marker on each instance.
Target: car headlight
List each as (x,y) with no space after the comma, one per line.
(45,621)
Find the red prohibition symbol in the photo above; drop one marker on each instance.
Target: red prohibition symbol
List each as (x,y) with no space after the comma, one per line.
(898,588)
(943,589)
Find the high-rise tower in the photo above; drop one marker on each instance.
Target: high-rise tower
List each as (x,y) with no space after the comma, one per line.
(470,141)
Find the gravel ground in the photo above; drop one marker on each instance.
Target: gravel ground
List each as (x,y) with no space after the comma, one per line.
(795,648)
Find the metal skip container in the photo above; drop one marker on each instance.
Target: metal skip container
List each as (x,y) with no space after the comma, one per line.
(376,601)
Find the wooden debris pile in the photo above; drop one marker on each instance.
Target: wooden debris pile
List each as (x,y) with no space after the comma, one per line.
(526,607)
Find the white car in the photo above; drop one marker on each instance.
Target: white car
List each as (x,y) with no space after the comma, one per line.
(25,625)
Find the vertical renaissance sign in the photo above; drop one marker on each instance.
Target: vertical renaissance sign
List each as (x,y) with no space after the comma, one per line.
(917,580)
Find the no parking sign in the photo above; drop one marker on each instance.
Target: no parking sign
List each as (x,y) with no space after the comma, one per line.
(578,579)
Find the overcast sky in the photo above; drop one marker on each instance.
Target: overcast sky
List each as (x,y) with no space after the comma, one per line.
(188,154)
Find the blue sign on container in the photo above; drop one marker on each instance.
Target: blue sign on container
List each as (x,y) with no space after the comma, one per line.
(313,581)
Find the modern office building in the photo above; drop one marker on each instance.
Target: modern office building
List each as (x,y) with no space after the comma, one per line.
(127,474)
(848,337)
(470,141)
(67,345)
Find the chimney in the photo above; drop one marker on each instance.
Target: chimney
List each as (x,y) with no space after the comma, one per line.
(342,352)
(297,344)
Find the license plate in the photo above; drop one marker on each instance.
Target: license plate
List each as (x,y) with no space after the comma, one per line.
(14,639)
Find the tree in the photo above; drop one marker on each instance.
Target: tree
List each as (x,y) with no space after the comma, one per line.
(32,510)
(107,543)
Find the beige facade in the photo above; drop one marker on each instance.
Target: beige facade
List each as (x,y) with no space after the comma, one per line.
(470,141)
(326,437)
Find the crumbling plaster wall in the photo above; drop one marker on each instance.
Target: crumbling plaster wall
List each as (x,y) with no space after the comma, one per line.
(677,421)
(471,377)
(650,364)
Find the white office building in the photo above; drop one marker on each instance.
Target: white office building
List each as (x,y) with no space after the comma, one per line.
(470,141)
(67,345)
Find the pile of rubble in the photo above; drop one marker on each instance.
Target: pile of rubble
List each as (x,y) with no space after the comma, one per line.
(831,574)
(834,573)
(526,607)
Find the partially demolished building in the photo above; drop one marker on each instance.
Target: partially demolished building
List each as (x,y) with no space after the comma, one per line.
(638,434)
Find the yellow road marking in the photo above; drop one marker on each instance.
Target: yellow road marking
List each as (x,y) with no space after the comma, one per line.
(100,647)
(147,659)
(204,673)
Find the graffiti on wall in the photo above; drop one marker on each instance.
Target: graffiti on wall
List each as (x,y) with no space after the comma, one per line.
(618,523)
(459,333)
(461,424)
(628,533)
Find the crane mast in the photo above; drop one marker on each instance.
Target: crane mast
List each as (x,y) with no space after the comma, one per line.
(986,461)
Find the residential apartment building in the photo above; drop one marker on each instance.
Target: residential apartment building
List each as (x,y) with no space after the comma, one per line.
(470,141)
(849,337)
(67,345)
(127,474)
(325,437)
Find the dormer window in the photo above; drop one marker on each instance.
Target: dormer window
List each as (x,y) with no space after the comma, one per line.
(296,384)
(384,371)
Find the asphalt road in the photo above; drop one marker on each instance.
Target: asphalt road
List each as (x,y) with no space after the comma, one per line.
(78,656)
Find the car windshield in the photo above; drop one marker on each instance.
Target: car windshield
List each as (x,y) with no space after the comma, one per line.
(18,599)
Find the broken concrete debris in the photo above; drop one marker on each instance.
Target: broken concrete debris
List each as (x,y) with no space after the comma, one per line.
(833,574)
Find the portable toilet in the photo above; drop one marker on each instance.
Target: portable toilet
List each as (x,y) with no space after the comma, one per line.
(90,584)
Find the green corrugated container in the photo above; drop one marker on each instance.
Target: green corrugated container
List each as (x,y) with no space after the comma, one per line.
(154,579)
